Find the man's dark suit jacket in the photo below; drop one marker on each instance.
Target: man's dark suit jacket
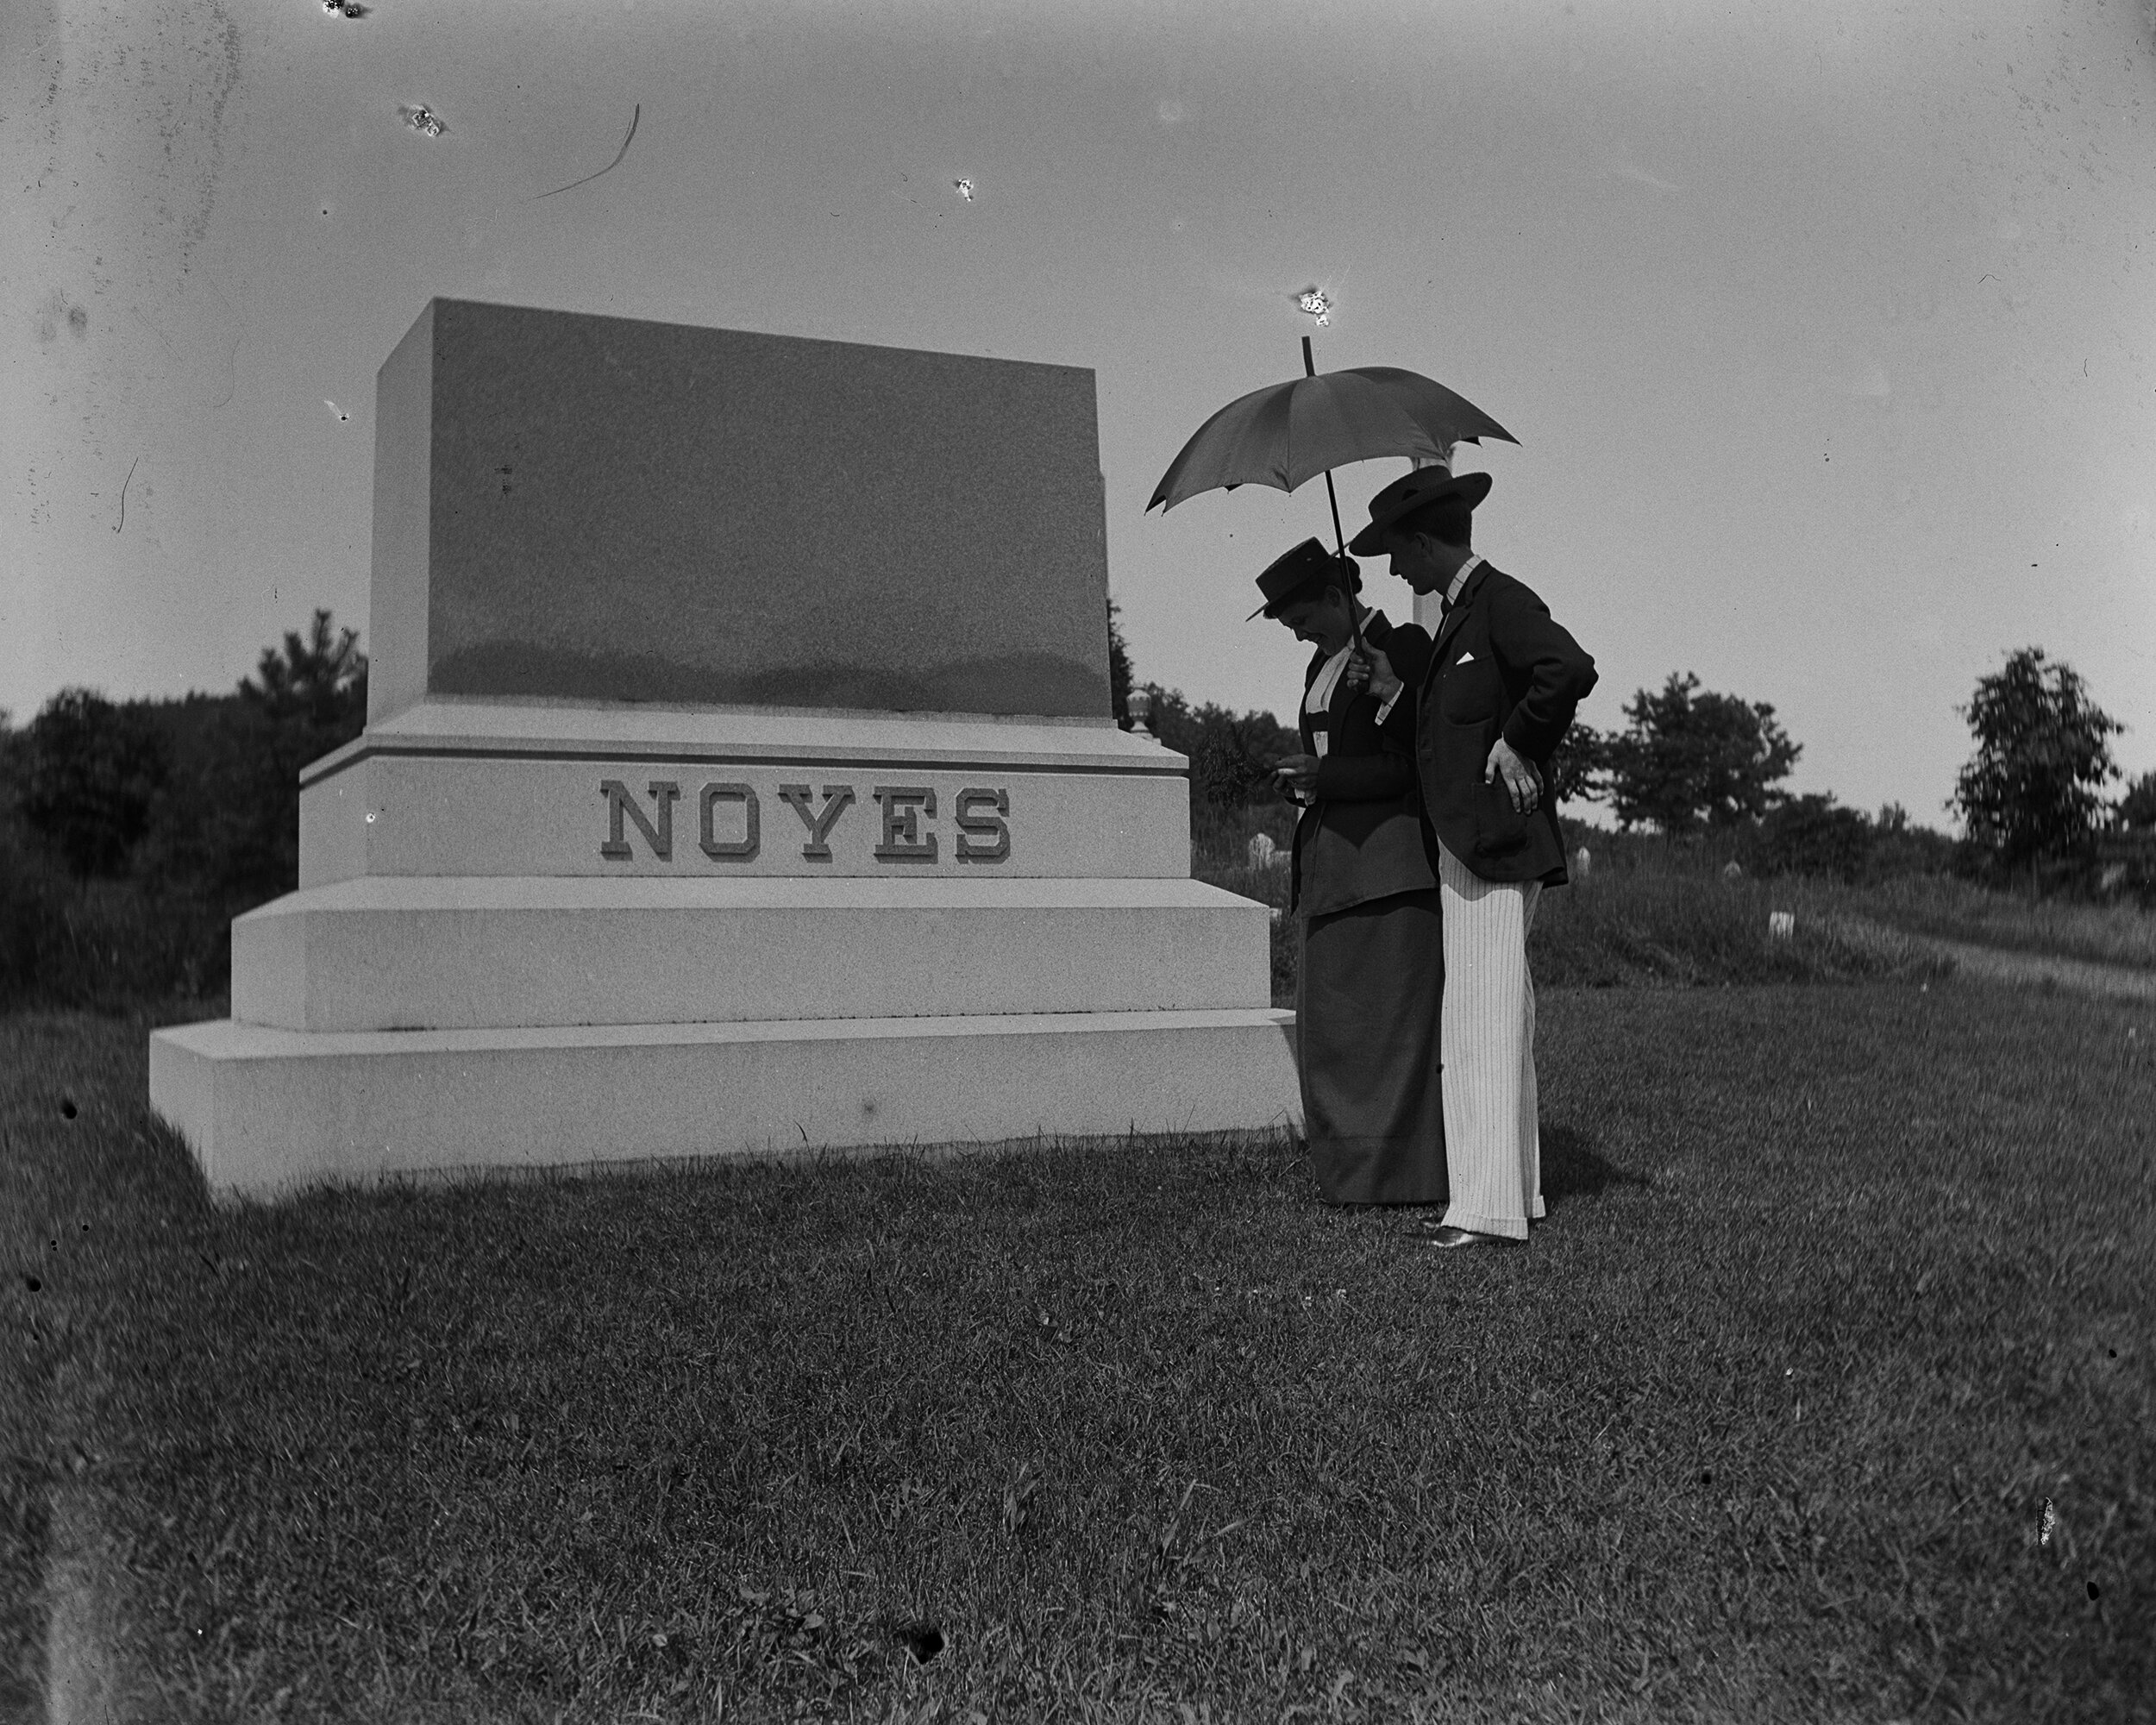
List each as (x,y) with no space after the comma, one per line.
(1363,836)
(1500,666)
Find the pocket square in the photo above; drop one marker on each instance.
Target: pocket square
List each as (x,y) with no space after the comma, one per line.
(1465,657)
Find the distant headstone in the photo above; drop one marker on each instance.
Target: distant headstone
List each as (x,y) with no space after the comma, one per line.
(1733,870)
(1583,861)
(2112,878)
(1262,849)
(1781,925)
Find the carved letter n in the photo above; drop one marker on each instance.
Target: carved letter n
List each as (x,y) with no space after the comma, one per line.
(621,801)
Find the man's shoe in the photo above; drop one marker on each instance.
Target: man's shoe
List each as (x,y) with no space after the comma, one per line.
(1447,1240)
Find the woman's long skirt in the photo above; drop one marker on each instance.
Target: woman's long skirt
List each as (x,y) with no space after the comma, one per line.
(1367,1014)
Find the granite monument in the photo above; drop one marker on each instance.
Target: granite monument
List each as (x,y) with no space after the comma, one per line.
(738,776)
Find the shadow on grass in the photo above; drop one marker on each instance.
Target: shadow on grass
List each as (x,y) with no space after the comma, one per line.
(1572,1168)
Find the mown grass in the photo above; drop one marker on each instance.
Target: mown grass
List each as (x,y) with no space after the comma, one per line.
(1839,1288)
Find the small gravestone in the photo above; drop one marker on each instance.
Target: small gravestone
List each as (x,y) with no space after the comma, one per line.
(1583,862)
(1733,870)
(739,775)
(1781,925)
(1262,850)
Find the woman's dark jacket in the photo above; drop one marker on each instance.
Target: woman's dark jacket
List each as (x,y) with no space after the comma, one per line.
(1363,838)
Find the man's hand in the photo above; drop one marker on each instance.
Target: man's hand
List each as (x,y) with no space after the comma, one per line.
(1298,774)
(1522,783)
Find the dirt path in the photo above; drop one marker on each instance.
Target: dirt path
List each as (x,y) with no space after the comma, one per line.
(2036,969)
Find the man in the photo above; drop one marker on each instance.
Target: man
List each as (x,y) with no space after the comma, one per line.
(1495,692)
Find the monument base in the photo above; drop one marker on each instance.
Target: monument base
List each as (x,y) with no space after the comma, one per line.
(269,1113)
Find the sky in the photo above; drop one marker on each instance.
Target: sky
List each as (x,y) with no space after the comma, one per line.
(1825,329)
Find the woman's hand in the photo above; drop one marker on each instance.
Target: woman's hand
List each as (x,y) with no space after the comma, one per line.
(1383,681)
(1298,774)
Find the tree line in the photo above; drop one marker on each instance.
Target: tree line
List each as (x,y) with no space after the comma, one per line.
(1692,763)
(131,832)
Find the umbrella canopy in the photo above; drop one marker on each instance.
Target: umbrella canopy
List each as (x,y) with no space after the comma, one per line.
(1286,433)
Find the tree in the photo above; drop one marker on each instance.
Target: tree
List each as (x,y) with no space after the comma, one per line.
(1687,759)
(1579,765)
(92,768)
(225,826)
(320,678)
(1119,666)
(2033,789)
(2137,809)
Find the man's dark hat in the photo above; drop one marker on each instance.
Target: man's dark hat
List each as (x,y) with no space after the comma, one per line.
(1409,493)
(1308,567)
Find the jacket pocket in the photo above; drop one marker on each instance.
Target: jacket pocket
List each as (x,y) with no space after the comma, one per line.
(1501,829)
(1469,694)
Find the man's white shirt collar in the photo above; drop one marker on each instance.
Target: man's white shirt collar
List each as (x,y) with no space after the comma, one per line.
(1459,581)
(1451,597)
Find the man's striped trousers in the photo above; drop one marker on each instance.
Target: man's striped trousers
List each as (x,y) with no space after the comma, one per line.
(1493,1144)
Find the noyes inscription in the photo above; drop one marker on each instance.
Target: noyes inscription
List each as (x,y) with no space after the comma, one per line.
(729,820)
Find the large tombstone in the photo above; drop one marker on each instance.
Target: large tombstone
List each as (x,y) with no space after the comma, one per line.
(738,776)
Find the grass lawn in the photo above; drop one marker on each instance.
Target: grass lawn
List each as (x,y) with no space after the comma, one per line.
(1839,1287)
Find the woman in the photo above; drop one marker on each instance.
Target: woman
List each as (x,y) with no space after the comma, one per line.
(1366,887)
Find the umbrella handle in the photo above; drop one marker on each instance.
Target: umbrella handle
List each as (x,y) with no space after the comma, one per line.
(1310,369)
(1354,622)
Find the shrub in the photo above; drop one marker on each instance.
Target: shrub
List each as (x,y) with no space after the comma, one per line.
(2136,810)
(89,770)
(1800,844)
(1810,835)
(1230,754)
(225,823)
(104,945)
(171,817)
(1899,851)
(29,906)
